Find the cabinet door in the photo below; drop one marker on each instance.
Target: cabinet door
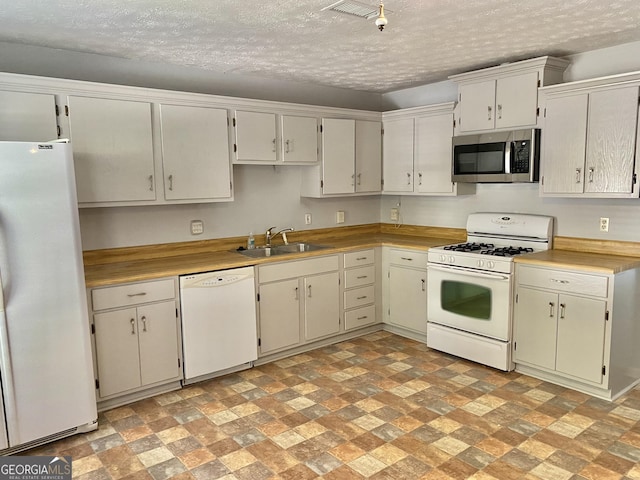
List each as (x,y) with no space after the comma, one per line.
(433,153)
(397,157)
(535,320)
(158,340)
(563,140)
(611,140)
(255,137)
(581,330)
(117,353)
(279,315)
(112,149)
(338,155)
(299,139)
(27,117)
(368,156)
(408,298)
(517,100)
(477,106)
(195,152)
(321,306)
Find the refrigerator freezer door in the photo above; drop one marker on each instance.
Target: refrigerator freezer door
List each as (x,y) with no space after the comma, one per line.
(46,364)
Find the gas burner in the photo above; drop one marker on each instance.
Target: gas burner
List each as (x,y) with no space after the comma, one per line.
(469,247)
(507,251)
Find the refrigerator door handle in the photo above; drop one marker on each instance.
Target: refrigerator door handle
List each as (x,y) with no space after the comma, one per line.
(7,398)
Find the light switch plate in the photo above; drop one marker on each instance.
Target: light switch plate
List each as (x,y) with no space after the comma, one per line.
(197,227)
(339,216)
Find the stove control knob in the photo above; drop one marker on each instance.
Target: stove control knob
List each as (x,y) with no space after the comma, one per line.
(452,259)
(480,263)
(443,258)
(490,264)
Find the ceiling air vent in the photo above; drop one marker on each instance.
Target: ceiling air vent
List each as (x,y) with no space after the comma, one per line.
(354,8)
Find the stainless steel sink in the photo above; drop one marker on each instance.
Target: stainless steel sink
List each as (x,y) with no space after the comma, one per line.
(261,252)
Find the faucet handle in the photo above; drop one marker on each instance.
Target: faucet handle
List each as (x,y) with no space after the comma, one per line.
(269,230)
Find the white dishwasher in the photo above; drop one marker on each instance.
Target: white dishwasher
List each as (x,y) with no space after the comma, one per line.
(218,321)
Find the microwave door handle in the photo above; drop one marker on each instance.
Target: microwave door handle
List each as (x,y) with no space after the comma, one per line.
(468,272)
(507,156)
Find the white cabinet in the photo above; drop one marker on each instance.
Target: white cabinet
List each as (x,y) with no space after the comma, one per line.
(417,152)
(576,328)
(359,289)
(590,140)
(271,139)
(136,338)
(27,117)
(504,97)
(407,292)
(195,152)
(298,303)
(351,159)
(112,149)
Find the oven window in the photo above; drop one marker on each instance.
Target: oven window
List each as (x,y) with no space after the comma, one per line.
(466,299)
(477,159)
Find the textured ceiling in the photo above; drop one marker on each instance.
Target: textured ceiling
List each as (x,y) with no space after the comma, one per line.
(424,42)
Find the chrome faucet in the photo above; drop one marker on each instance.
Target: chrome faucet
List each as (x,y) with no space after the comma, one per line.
(270,236)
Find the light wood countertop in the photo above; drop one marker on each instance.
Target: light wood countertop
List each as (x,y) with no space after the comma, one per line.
(591,262)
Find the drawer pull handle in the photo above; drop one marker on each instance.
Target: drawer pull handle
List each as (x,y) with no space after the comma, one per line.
(564,282)
(140,294)
(144,323)
(362,277)
(133,326)
(363,317)
(361,298)
(359,259)
(309,291)
(562,307)
(424,284)
(551,305)
(578,174)
(408,259)
(297,297)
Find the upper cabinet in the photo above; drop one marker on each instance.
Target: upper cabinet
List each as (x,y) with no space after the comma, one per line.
(504,97)
(590,138)
(27,117)
(351,159)
(272,139)
(417,152)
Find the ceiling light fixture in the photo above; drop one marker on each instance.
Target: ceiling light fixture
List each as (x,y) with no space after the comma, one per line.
(381,21)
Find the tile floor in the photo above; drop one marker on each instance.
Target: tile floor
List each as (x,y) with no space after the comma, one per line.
(381,407)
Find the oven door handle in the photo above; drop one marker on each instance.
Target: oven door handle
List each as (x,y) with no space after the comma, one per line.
(468,272)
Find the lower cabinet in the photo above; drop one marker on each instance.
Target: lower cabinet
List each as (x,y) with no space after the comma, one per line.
(136,337)
(566,323)
(407,292)
(298,302)
(359,292)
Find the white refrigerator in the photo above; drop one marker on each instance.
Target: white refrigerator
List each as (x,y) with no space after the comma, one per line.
(46,368)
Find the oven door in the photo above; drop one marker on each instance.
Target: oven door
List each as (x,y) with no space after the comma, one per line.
(470,300)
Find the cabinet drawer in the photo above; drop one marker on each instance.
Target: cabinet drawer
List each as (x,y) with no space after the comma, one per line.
(135,293)
(359,276)
(297,268)
(355,259)
(408,258)
(360,317)
(563,281)
(359,297)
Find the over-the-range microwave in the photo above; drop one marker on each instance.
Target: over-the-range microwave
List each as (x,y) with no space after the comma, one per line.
(497,157)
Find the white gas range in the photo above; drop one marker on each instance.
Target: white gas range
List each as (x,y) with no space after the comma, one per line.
(470,285)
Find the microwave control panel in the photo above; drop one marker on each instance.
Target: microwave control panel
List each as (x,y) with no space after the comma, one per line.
(520,158)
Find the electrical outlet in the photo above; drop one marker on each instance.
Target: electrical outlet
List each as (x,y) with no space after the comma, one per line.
(394,214)
(307,219)
(604,224)
(197,227)
(339,216)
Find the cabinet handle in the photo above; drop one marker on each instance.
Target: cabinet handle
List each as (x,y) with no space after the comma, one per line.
(133,326)
(353,180)
(420,178)
(489,110)
(286,143)
(362,277)
(274,145)
(151,183)
(499,112)
(578,174)
(551,305)
(359,259)
(591,174)
(144,323)
(562,307)
(408,259)
(297,297)
(171,182)
(139,294)
(563,282)
(309,291)
(363,317)
(361,298)
(359,179)
(424,284)
(408,178)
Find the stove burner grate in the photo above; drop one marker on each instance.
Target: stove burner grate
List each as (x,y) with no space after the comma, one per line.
(507,251)
(470,247)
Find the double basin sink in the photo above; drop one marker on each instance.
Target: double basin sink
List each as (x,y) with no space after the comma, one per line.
(260,252)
